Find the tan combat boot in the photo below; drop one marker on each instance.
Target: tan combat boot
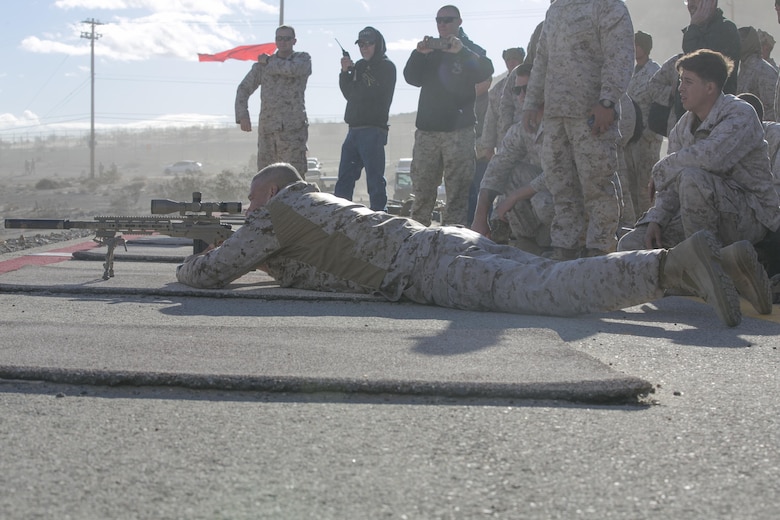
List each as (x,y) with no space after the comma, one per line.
(740,262)
(694,265)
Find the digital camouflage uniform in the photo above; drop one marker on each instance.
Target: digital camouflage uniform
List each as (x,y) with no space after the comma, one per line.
(311,240)
(490,139)
(509,109)
(715,177)
(517,163)
(759,78)
(641,155)
(282,129)
(585,54)
(756,76)
(772,137)
(663,86)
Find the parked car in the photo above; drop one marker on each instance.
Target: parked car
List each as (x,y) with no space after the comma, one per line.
(402,188)
(183,167)
(312,163)
(313,170)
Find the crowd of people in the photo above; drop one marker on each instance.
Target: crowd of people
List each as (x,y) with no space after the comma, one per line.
(555,169)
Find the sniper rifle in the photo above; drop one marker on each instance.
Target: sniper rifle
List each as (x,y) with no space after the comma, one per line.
(195,221)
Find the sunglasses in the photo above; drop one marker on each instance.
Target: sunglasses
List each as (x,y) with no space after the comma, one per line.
(363,43)
(285,38)
(441,20)
(517,90)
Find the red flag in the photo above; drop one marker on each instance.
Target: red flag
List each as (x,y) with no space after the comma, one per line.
(244,52)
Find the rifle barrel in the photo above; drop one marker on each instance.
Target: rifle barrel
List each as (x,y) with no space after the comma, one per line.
(36,223)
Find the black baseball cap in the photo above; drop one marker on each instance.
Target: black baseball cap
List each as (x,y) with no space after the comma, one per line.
(367,35)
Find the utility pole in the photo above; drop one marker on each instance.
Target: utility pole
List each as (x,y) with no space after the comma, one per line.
(281,12)
(92,36)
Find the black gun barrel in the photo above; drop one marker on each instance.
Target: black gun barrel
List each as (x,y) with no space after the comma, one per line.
(36,223)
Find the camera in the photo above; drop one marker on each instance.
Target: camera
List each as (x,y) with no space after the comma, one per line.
(436,43)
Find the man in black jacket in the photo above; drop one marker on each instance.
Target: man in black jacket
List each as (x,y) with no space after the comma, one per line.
(447,69)
(368,87)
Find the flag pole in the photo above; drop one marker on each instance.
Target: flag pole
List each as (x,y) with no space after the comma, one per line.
(281,12)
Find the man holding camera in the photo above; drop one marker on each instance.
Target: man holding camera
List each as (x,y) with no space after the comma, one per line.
(446,69)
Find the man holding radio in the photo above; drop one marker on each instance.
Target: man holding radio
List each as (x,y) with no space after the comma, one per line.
(446,69)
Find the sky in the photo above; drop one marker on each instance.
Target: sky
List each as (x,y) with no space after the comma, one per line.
(147,72)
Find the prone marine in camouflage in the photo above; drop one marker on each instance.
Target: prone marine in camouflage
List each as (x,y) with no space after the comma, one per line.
(312,240)
(283,127)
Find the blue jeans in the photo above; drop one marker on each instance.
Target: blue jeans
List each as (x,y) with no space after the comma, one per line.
(364,147)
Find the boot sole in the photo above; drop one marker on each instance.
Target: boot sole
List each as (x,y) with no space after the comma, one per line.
(740,261)
(718,284)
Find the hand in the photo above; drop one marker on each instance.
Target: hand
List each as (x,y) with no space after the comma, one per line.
(246,124)
(455,45)
(532,118)
(504,207)
(481,226)
(653,236)
(602,119)
(651,190)
(346,63)
(263,59)
(423,48)
(704,12)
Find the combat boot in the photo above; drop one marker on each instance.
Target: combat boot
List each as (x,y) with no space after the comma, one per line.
(740,262)
(694,265)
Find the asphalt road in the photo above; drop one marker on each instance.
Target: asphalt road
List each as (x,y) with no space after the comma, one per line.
(703,445)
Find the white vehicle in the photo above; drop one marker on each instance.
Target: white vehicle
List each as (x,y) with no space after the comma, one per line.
(403,182)
(184,167)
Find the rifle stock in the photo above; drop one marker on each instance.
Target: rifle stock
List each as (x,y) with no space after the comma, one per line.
(195,221)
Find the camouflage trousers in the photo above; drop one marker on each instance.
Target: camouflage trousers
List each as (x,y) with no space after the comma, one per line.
(640,158)
(529,218)
(579,169)
(443,155)
(459,268)
(706,202)
(284,146)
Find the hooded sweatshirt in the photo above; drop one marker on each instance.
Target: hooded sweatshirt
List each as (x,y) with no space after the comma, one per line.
(369,87)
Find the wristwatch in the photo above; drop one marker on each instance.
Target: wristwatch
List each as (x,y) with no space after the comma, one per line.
(606,103)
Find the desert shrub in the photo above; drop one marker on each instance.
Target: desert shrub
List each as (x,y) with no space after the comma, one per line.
(229,186)
(180,188)
(47,184)
(126,200)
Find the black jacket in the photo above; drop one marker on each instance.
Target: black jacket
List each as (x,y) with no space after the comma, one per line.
(447,83)
(369,88)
